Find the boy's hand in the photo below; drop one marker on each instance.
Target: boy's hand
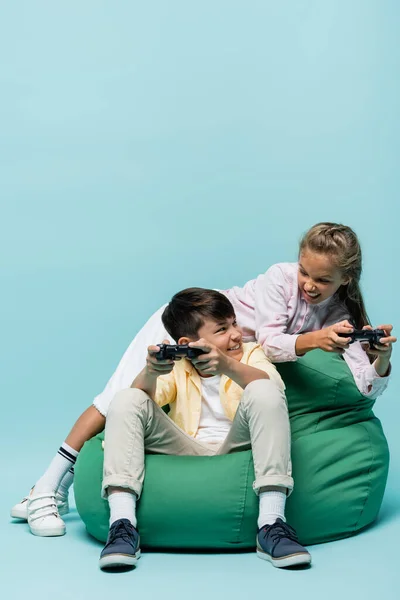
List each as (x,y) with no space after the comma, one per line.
(328,340)
(155,367)
(212,362)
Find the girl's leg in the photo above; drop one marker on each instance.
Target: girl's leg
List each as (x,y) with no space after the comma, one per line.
(89,424)
(58,478)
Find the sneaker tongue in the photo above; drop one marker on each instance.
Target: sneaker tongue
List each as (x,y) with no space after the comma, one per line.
(278,521)
(126,521)
(121,523)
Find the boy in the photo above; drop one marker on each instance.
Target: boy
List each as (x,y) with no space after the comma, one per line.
(229,398)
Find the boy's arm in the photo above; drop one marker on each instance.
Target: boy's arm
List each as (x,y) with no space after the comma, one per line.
(243,374)
(215,362)
(147,382)
(156,379)
(260,361)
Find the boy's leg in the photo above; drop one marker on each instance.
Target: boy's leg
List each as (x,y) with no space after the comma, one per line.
(49,497)
(135,425)
(262,423)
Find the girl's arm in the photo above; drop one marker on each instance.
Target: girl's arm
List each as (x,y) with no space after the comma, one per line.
(273,292)
(326,339)
(371,379)
(383,351)
(368,381)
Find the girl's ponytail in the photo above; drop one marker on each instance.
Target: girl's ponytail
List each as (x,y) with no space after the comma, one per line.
(352,298)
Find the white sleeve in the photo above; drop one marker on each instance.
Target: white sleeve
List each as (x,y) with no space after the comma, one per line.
(367,379)
(271,311)
(242,300)
(133,361)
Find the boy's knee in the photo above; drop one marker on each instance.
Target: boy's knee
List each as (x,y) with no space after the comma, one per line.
(264,395)
(126,400)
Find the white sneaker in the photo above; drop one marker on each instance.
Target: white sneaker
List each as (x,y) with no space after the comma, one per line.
(43,517)
(20,510)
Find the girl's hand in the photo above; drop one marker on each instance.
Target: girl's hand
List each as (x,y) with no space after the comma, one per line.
(328,339)
(384,348)
(155,367)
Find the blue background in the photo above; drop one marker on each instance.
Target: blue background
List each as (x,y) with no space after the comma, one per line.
(146,147)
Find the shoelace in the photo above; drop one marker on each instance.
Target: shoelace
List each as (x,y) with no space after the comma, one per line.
(122,530)
(279,531)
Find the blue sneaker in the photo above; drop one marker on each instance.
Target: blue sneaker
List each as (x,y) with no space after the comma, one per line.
(122,547)
(279,544)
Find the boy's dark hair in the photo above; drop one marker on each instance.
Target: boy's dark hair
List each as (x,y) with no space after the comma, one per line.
(187,310)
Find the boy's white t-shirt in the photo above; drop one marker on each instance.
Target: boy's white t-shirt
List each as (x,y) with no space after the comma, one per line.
(214,425)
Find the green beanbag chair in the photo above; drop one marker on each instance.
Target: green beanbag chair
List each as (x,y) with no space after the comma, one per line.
(340,464)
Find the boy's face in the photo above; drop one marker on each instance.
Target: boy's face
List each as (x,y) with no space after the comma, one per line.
(226,335)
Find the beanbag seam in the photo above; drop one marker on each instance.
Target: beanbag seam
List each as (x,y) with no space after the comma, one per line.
(372,463)
(341,378)
(243,500)
(334,402)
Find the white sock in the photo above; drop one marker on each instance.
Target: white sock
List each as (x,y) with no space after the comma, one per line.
(272,507)
(66,483)
(122,506)
(59,466)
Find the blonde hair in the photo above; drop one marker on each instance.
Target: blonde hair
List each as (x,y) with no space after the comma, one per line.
(341,243)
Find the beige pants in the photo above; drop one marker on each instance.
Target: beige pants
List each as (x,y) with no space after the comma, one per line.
(136,425)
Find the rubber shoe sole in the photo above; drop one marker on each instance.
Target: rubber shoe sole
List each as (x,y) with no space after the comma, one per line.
(293,560)
(115,561)
(20,511)
(56,532)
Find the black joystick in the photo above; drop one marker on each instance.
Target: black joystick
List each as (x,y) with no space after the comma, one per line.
(177,351)
(373,336)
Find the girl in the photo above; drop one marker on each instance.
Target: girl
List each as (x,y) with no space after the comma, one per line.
(296,307)
(290,310)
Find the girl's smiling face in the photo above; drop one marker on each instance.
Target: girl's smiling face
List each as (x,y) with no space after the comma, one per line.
(318,277)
